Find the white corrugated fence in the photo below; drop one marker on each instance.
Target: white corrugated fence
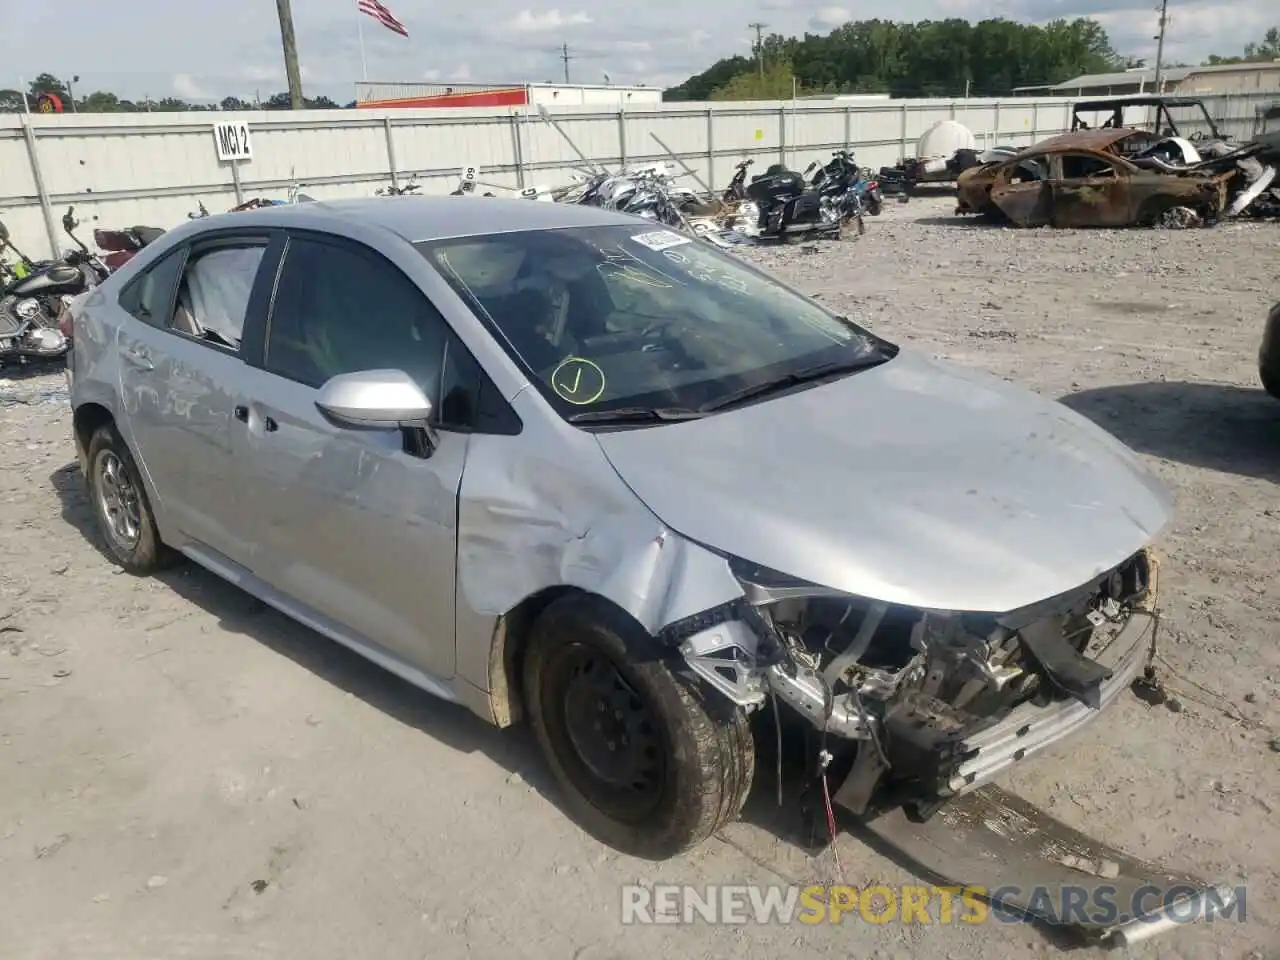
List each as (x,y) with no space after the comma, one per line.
(152,168)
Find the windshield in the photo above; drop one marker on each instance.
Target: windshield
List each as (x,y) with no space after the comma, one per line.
(621,316)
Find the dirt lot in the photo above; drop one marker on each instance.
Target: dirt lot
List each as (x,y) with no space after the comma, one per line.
(185,773)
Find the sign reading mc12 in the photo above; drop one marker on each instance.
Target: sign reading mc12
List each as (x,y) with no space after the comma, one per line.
(232,141)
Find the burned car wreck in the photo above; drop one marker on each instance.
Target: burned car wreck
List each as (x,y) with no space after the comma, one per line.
(1119,177)
(1095,178)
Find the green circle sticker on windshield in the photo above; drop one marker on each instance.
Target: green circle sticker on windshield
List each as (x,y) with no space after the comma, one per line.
(578,381)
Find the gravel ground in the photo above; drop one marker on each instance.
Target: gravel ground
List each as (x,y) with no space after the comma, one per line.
(185,773)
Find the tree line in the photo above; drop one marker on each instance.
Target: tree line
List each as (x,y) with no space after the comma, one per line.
(103,101)
(930,58)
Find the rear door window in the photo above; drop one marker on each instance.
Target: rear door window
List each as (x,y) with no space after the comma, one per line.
(148,297)
(213,296)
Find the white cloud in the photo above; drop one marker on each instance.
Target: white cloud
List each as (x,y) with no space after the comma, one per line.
(187,88)
(259,74)
(233,48)
(526,21)
(1194,30)
(828,18)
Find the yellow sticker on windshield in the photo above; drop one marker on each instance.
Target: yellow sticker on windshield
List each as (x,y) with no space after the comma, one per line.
(578,381)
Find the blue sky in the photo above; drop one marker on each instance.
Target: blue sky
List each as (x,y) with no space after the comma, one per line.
(161,48)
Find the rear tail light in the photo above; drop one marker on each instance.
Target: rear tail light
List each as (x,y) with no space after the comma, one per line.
(872,185)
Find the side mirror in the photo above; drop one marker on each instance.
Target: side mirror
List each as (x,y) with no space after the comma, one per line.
(374,398)
(69,220)
(4,234)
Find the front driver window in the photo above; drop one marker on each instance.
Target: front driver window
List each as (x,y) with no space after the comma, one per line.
(1084,167)
(339,309)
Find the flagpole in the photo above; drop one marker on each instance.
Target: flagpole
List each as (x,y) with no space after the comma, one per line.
(364,66)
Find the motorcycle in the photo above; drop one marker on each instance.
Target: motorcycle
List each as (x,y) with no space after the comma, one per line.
(31,304)
(648,192)
(409,189)
(736,192)
(780,204)
(257,203)
(847,188)
(121,245)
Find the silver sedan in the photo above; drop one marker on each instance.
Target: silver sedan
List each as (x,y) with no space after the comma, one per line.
(561,465)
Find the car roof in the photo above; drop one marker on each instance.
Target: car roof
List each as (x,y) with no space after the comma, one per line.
(1081,140)
(418,219)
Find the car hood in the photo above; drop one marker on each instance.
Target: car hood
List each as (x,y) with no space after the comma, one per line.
(913,482)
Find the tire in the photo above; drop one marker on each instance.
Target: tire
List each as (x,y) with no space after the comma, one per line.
(1270,381)
(688,755)
(108,457)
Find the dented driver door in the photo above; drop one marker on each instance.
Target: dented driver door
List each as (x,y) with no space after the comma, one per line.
(1089,191)
(1021,193)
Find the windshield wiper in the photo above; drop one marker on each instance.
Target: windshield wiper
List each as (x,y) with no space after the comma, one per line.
(794,378)
(635,415)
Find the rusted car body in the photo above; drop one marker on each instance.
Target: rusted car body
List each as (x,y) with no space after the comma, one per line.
(1090,179)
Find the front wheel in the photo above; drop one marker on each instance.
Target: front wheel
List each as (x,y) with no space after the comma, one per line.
(649,764)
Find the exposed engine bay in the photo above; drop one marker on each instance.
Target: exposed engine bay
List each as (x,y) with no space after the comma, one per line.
(921,706)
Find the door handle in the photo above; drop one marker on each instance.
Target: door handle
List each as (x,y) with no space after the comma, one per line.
(139,359)
(268,423)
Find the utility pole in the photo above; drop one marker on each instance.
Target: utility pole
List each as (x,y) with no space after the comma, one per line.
(1164,19)
(564,55)
(759,29)
(290,44)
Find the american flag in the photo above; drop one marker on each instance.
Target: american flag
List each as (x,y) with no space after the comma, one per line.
(384,16)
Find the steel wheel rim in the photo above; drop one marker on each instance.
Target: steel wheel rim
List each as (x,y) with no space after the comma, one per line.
(118,500)
(611,735)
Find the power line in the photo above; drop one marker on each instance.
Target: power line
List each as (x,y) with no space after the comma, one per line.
(759,29)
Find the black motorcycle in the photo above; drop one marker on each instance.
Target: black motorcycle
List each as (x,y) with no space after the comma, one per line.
(849,187)
(36,295)
(737,189)
(91,266)
(786,206)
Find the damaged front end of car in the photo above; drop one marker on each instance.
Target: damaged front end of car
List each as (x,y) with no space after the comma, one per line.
(925,705)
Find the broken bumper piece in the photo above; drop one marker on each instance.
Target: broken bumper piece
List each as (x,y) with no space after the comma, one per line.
(1030,728)
(1029,864)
